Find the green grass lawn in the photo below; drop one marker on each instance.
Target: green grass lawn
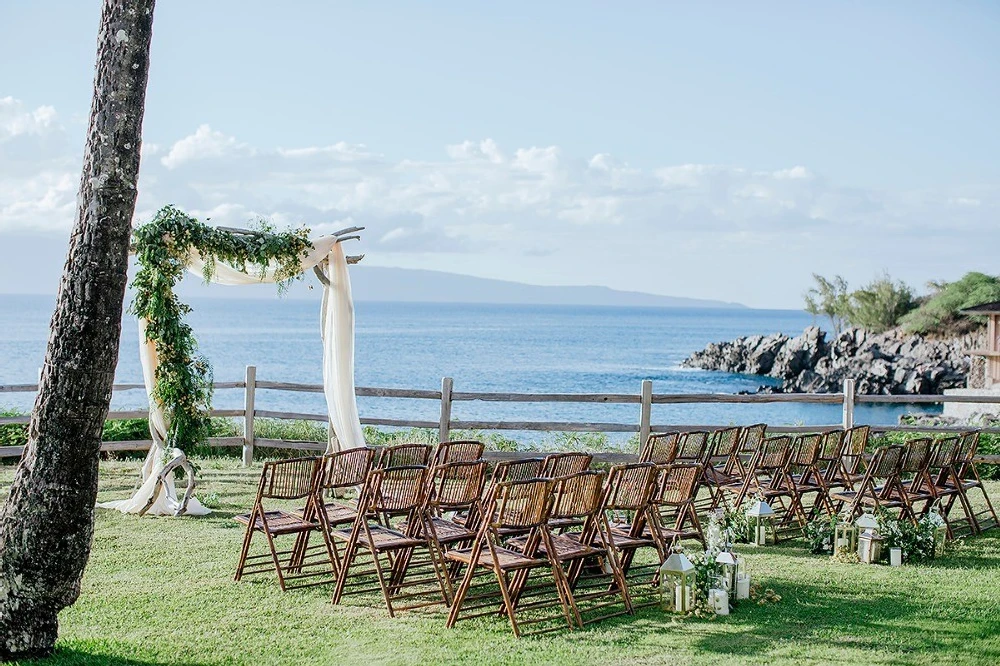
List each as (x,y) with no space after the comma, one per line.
(160,591)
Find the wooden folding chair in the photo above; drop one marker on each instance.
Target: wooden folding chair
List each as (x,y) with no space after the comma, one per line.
(564,464)
(867,494)
(628,505)
(751,437)
(404,455)
(850,468)
(287,480)
(767,477)
(388,492)
(829,457)
(912,474)
(969,479)
(719,465)
(805,476)
(515,506)
(596,581)
(660,448)
(460,450)
(674,498)
(945,486)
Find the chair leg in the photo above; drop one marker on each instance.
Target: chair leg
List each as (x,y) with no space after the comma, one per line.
(247,538)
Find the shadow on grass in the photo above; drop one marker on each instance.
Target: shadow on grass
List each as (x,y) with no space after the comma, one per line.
(106,653)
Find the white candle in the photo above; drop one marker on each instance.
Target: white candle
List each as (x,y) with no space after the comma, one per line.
(721,602)
(761,535)
(679,605)
(743,586)
(896,557)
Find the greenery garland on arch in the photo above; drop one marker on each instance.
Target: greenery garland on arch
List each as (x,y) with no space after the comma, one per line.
(183,382)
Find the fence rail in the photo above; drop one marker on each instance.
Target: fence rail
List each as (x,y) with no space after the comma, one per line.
(446,396)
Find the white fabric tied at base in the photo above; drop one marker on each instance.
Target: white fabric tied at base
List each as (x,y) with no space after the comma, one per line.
(337,332)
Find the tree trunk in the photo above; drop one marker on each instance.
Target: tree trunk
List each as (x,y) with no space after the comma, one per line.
(47,524)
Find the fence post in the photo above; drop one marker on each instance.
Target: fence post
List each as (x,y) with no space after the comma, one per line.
(646,411)
(848,404)
(248,409)
(444,431)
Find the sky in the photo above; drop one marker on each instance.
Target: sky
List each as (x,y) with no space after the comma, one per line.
(723,150)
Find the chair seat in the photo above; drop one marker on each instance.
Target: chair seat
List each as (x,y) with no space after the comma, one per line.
(336,514)
(507,559)
(568,547)
(278,522)
(565,523)
(622,538)
(383,538)
(448,531)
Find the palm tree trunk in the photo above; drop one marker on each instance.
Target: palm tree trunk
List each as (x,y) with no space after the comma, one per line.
(47,524)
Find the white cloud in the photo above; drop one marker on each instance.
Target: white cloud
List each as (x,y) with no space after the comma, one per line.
(205,143)
(523,212)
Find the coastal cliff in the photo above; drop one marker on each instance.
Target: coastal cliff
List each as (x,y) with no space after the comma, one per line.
(884,363)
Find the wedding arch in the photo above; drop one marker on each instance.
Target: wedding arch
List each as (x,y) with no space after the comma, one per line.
(179,381)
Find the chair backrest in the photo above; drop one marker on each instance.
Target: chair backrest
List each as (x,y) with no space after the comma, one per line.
(516,470)
(773,454)
(724,442)
(856,440)
(660,448)
(461,450)
(691,446)
(629,487)
(404,455)
(578,495)
(290,479)
(916,455)
(395,489)
(833,444)
(752,436)
(806,449)
(345,469)
(944,454)
(522,504)
(457,485)
(968,442)
(886,462)
(564,464)
(678,483)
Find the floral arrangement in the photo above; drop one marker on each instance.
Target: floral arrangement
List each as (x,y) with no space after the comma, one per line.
(819,535)
(915,540)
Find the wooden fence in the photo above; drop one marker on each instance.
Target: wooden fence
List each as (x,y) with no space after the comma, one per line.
(447,396)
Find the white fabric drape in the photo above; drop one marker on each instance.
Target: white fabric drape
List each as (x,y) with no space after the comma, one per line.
(337,333)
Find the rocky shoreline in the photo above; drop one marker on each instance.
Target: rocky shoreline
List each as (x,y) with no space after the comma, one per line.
(881,363)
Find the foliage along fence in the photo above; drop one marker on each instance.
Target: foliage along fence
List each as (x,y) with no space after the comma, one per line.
(446,396)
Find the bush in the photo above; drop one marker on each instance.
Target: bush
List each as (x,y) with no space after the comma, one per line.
(879,305)
(14,434)
(940,312)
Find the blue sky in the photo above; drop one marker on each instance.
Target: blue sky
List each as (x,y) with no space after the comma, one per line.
(719,150)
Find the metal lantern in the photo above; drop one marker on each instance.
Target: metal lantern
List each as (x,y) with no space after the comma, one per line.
(677,583)
(940,540)
(730,563)
(845,537)
(763,516)
(869,541)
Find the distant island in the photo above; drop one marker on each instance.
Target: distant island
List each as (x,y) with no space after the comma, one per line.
(380,283)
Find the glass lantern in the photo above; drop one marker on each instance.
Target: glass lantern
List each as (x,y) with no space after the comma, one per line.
(677,583)
(845,537)
(940,540)
(762,516)
(869,540)
(730,563)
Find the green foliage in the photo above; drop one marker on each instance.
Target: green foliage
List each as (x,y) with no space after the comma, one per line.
(162,247)
(14,434)
(829,298)
(819,534)
(940,312)
(916,541)
(879,305)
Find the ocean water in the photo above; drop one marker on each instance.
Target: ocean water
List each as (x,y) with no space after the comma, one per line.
(507,348)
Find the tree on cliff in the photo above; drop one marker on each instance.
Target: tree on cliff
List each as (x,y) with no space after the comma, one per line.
(829,298)
(940,312)
(47,524)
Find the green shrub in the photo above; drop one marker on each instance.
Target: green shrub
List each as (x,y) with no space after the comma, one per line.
(14,434)
(940,312)
(879,305)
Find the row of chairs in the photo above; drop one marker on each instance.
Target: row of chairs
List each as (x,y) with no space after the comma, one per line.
(824,472)
(431,527)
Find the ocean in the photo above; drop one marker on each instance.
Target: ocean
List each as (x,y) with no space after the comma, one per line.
(506,348)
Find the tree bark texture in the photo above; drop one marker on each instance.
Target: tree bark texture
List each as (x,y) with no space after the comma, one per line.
(47,524)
